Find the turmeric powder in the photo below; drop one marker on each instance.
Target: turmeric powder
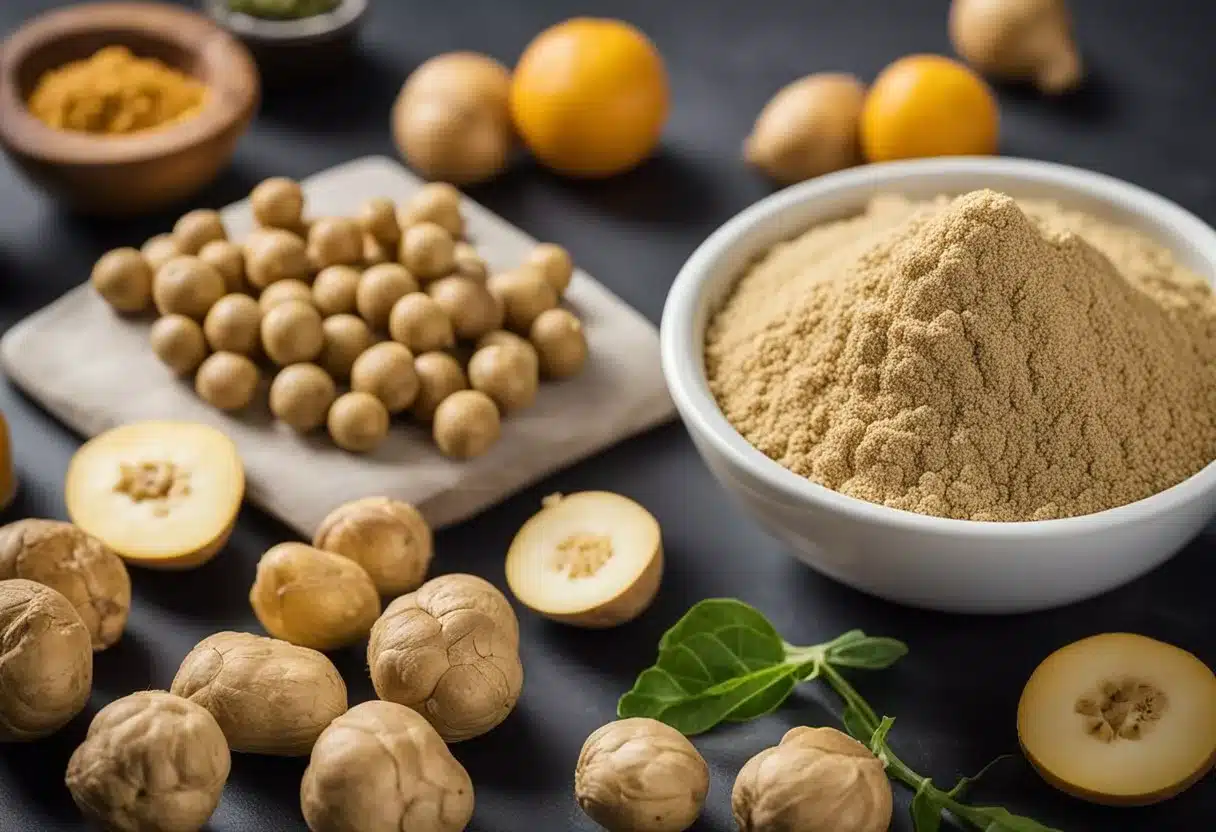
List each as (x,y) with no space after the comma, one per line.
(114,93)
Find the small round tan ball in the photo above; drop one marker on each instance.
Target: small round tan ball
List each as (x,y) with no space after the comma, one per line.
(346,337)
(507,374)
(334,289)
(292,333)
(278,202)
(378,218)
(428,251)
(159,250)
(179,342)
(421,324)
(469,263)
(386,370)
(227,381)
(358,422)
(276,255)
(283,291)
(439,376)
(186,286)
(466,424)
(379,289)
(123,278)
(437,202)
(233,325)
(197,228)
(228,259)
(502,337)
(555,265)
(301,395)
(560,343)
(375,252)
(524,294)
(335,241)
(470,307)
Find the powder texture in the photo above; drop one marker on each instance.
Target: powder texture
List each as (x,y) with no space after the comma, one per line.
(977,358)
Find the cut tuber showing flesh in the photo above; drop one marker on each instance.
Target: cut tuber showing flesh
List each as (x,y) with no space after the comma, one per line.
(1120,719)
(592,559)
(164,495)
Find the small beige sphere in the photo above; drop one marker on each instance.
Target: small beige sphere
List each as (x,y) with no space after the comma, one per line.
(234,325)
(301,395)
(179,342)
(186,286)
(274,255)
(387,372)
(378,218)
(278,202)
(197,228)
(346,337)
(375,252)
(507,374)
(421,324)
(379,289)
(554,264)
(335,241)
(437,202)
(283,291)
(439,376)
(524,294)
(470,307)
(227,381)
(292,333)
(358,422)
(557,334)
(469,263)
(228,259)
(123,278)
(334,290)
(428,251)
(466,424)
(159,250)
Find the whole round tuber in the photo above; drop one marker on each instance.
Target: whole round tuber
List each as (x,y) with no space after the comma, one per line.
(451,121)
(335,241)
(233,325)
(459,590)
(151,761)
(291,333)
(468,263)
(313,598)
(228,259)
(419,655)
(334,290)
(301,395)
(466,424)
(227,381)
(159,250)
(278,202)
(1018,40)
(379,290)
(46,661)
(439,376)
(645,776)
(810,127)
(507,374)
(274,255)
(524,293)
(77,565)
(386,370)
(428,251)
(816,778)
(555,265)
(197,228)
(437,202)
(380,767)
(420,323)
(268,696)
(123,278)
(467,303)
(388,538)
(282,291)
(561,345)
(346,338)
(186,286)
(378,219)
(358,422)
(179,342)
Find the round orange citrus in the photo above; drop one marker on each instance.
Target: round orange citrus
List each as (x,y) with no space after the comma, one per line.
(589,97)
(928,105)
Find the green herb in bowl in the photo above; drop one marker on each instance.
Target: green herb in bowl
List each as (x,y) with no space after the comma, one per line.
(283,9)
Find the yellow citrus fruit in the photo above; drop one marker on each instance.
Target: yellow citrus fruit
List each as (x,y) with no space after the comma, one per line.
(590,97)
(927,105)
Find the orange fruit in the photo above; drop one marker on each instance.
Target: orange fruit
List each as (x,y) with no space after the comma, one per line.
(927,105)
(589,97)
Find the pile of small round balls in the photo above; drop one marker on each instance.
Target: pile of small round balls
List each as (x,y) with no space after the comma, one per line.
(390,312)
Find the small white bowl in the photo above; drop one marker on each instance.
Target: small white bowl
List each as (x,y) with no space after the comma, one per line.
(929,562)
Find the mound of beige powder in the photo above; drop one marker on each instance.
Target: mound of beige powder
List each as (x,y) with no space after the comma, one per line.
(977,358)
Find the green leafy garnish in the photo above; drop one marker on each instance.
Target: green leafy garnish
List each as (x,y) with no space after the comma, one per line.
(725,662)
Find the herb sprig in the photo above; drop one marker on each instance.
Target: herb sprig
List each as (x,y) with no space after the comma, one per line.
(725,662)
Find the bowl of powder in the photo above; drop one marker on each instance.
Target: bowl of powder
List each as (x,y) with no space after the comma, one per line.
(969,385)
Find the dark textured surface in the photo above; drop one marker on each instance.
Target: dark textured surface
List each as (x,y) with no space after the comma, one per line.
(1147,117)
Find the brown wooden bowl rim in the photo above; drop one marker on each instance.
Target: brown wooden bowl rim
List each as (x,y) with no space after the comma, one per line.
(231,76)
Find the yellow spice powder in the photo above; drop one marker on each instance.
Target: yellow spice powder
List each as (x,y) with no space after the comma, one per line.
(978,358)
(115,92)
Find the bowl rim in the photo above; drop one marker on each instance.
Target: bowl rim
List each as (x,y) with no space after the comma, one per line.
(233,81)
(289,31)
(681,343)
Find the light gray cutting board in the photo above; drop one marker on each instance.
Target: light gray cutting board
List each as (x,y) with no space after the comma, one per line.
(95,370)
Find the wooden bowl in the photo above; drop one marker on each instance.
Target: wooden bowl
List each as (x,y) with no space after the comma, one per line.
(141,172)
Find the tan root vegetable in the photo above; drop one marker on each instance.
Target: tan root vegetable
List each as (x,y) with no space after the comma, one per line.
(466,424)
(591,559)
(79,566)
(524,293)
(186,286)
(419,654)
(379,290)
(335,241)
(159,250)
(276,255)
(268,696)
(291,333)
(46,661)
(437,202)
(420,323)
(227,381)
(228,259)
(387,372)
(358,422)
(451,121)
(555,265)
(284,290)
(816,778)
(429,790)
(428,251)
(642,775)
(346,337)
(197,228)
(179,342)
(313,598)
(507,374)
(334,290)
(439,376)
(467,303)
(163,495)
(378,219)
(278,202)
(388,538)
(468,263)
(1018,40)
(234,325)
(151,761)
(810,127)
(462,591)
(123,278)
(301,395)
(561,344)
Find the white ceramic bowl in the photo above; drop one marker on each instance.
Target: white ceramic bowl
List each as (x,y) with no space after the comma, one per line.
(922,561)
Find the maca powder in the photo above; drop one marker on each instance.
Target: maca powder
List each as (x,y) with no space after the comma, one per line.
(978,358)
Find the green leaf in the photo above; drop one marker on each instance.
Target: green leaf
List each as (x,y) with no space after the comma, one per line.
(867,653)
(857,725)
(997,819)
(654,691)
(699,713)
(714,614)
(926,810)
(771,699)
(965,783)
(878,738)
